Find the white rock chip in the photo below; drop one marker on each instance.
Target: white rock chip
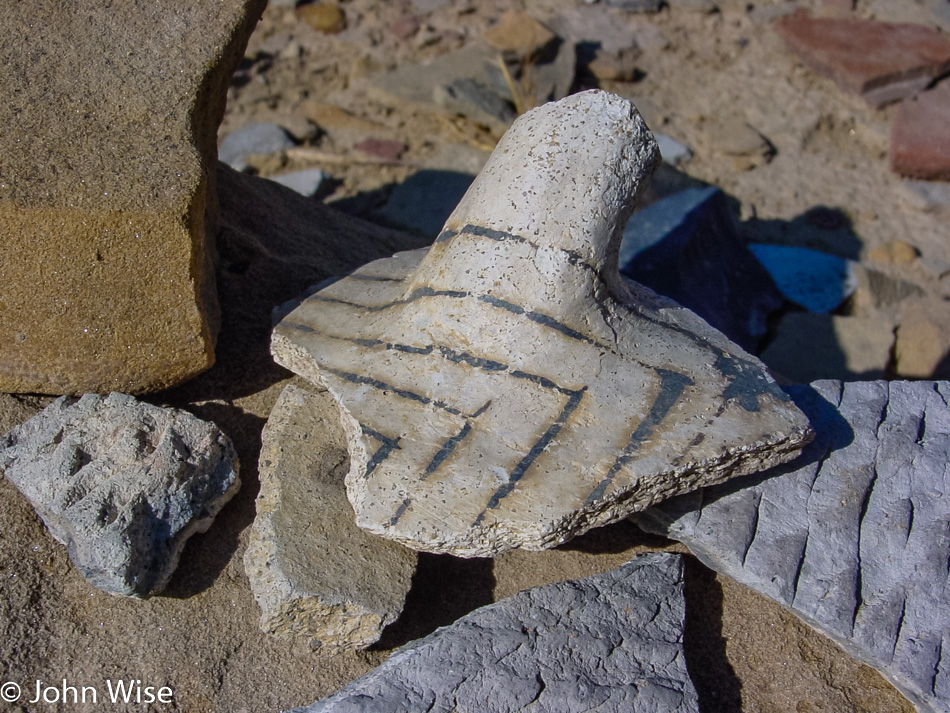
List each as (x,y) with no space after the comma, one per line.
(508,388)
(314,573)
(855,537)
(611,643)
(123,484)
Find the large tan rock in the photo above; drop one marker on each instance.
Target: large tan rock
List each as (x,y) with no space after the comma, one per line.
(109,114)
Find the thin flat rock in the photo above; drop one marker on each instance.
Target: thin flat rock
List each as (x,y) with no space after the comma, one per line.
(316,576)
(612,642)
(122,483)
(855,536)
(508,388)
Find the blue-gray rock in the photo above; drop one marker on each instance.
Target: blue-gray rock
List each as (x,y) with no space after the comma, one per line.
(612,642)
(635,5)
(123,484)
(817,281)
(475,100)
(854,537)
(306,182)
(672,151)
(687,247)
(263,138)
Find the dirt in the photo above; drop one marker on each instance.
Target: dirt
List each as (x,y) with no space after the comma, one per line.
(201,638)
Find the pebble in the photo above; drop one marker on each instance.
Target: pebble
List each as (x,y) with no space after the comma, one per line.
(328,19)
(122,484)
(405,26)
(614,641)
(306,182)
(384,149)
(852,537)
(261,138)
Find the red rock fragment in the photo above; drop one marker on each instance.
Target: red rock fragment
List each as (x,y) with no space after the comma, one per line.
(920,136)
(382,148)
(883,62)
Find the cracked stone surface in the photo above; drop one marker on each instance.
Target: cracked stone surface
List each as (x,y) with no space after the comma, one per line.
(314,573)
(508,388)
(123,484)
(612,642)
(855,536)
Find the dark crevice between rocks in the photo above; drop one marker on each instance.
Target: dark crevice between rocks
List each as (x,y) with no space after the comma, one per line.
(206,555)
(444,589)
(717,685)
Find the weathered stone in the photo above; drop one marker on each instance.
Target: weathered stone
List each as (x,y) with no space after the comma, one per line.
(823,346)
(109,131)
(123,484)
(920,135)
(314,573)
(687,246)
(520,35)
(853,536)
(612,642)
(476,101)
(508,388)
(306,182)
(260,138)
(817,281)
(883,62)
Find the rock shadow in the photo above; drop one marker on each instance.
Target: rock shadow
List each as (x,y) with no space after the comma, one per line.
(444,589)
(206,555)
(614,539)
(717,686)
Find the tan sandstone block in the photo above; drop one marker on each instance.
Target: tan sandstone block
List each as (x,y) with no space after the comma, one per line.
(109,118)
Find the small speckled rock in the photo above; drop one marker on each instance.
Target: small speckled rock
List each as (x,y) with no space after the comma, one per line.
(508,388)
(107,210)
(123,484)
(853,538)
(314,573)
(611,643)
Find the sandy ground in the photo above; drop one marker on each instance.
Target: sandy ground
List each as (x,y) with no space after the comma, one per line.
(201,637)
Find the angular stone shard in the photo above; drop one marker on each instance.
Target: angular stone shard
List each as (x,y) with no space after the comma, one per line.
(853,537)
(314,573)
(107,209)
(612,642)
(123,484)
(508,388)
(881,61)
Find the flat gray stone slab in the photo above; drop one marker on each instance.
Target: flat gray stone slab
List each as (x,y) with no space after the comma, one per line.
(314,573)
(612,642)
(123,484)
(855,536)
(508,388)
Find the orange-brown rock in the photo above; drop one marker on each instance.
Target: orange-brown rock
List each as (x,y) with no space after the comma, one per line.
(107,209)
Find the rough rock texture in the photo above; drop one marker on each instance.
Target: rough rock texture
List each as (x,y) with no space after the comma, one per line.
(107,190)
(612,642)
(854,536)
(920,135)
(314,573)
(123,484)
(881,61)
(508,388)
